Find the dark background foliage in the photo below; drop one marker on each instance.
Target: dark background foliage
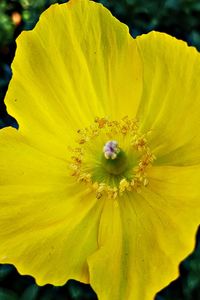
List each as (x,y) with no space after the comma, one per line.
(180,18)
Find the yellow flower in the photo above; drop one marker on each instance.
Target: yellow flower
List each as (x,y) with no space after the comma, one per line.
(101,181)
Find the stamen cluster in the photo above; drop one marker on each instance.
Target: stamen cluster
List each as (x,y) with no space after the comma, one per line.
(138,143)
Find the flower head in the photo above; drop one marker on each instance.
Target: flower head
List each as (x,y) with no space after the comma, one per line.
(101,181)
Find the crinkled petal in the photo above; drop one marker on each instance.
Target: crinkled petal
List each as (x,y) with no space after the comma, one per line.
(144,237)
(79,62)
(48,225)
(105,266)
(170,105)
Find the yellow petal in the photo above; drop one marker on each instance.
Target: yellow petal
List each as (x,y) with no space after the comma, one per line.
(143,240)
(45,218)
(79,62)
(107,267)
(170,100)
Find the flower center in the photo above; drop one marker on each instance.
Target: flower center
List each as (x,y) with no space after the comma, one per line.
(122,165)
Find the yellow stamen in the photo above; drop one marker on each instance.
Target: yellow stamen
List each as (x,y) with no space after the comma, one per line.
(131,179)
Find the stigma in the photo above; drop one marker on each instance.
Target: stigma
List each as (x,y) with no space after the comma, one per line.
(111,150)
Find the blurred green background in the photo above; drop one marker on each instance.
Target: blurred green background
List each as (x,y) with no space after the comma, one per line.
(180,18)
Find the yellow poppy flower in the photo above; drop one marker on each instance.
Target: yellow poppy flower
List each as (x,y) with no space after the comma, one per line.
(101,181)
